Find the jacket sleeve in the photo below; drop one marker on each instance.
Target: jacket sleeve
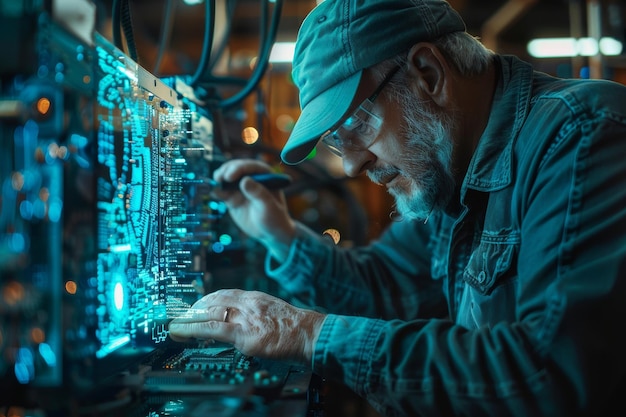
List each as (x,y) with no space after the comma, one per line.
(390,278)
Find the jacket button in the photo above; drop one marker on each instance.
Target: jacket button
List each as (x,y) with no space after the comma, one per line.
(481,276)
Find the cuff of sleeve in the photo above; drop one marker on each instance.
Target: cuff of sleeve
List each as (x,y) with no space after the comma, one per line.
(347,359)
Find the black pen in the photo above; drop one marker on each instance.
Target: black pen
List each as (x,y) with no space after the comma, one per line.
(271,181)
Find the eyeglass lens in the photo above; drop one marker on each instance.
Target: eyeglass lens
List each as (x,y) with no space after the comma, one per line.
(358,131)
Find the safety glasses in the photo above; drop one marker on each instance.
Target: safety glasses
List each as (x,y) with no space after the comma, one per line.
(359,131)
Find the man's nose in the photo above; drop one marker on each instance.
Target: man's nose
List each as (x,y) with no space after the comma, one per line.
(357,161)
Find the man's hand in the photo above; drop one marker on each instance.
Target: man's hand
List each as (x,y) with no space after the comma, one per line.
(262,214)
(257,324)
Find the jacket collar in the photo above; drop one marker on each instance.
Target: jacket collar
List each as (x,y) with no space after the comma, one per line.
(490,167)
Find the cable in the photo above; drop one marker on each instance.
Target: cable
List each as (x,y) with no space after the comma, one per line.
(263,58)
(219,51)
(166,31)
(207,43)
(116,25)
(121,19)
(127,27)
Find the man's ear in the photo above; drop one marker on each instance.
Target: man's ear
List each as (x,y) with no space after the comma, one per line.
(430,71)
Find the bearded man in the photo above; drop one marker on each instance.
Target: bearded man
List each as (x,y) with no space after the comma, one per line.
(510,186)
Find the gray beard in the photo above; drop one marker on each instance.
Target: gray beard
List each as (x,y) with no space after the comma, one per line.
(429,155)
(427,164)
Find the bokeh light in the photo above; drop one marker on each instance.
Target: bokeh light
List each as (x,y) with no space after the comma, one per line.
(333,234)
(250,135)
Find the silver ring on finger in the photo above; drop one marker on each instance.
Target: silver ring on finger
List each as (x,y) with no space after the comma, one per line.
(226,314)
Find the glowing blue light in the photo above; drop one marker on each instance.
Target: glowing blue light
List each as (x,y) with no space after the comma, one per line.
(78,140)
(17,243)
(25,355)
(180,160)
(118,296)
(120,248)
(50,158)
(26,210)
(226,239)
(217,247)
(174,406)
(21,373)
(32,180)
(24,366)
(31,131)
(54,210)
(39,209)
(218,206)
(116,344)
(18,136)
(47,354)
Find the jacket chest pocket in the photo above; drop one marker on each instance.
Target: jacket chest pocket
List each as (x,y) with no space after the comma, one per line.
(493,261)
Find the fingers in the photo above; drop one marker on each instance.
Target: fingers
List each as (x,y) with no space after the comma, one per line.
(214,316)
(254,191)
(194,315)
(211,317)
(212,329)
(211,307)
(235,169)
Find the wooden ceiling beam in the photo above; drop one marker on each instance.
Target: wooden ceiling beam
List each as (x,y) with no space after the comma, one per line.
(502,19)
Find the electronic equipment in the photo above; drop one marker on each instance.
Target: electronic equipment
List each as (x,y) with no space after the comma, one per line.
(106,227)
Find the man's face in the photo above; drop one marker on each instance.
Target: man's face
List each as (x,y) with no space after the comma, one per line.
(414,158)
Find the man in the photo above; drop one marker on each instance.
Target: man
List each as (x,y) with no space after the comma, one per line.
(510,184)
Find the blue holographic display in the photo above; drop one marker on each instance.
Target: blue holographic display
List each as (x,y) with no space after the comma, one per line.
(149,159)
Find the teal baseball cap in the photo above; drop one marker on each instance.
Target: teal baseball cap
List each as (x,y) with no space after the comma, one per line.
(338,40)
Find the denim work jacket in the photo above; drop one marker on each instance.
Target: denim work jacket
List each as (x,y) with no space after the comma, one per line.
(512,306)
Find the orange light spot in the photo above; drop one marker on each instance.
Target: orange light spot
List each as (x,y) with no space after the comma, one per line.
(43,105)
(333,234)
(38,335)
(250,135)
(71,287)
(13,293)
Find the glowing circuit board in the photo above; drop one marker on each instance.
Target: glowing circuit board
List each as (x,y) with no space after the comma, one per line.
(153,151)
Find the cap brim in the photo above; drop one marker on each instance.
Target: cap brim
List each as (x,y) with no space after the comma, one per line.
(318,116)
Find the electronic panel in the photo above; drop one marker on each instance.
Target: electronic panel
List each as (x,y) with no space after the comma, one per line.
(106,230)
(153,220)
(102,217)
